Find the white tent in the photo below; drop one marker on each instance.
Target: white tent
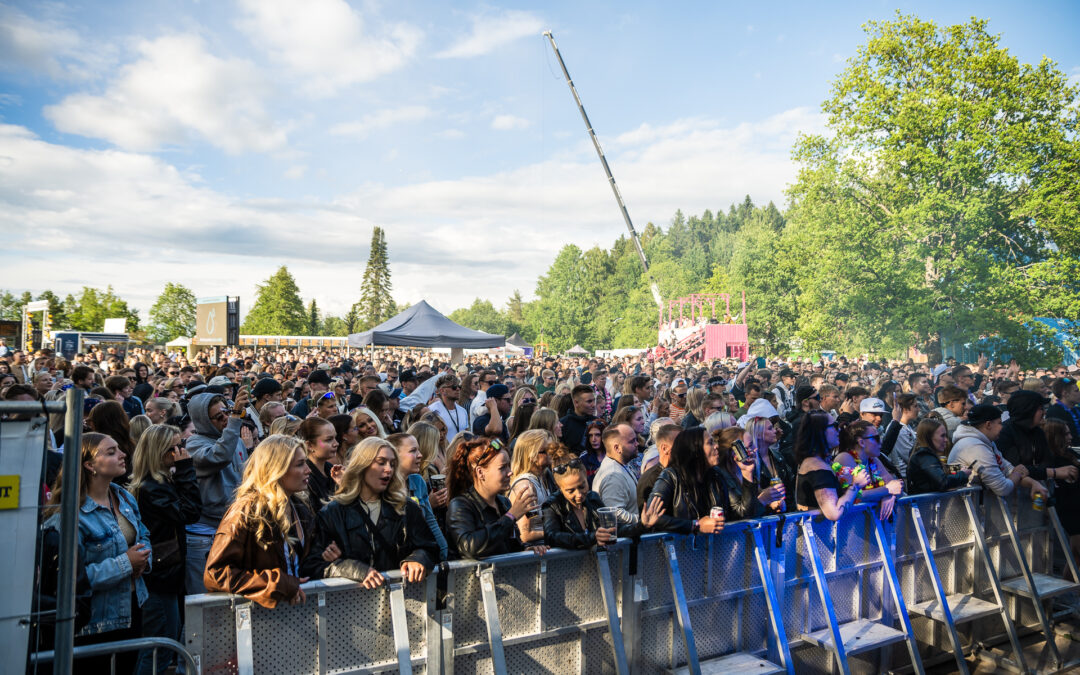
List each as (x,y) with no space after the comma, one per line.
(181,342)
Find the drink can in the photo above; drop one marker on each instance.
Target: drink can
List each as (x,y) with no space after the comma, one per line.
(438,482)
(1038,503)
(716,512)
(955,469)
(777,483)
(944,460)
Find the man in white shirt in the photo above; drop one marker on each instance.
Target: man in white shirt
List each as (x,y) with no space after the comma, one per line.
(456,418)
(484,379)
(614,481)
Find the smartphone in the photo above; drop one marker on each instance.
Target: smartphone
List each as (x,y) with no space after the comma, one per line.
(739,448)
(761,362)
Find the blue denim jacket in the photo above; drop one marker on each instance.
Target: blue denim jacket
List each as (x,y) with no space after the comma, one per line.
(418,490)
(104,550)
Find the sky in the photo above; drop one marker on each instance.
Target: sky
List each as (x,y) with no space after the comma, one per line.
(208,143)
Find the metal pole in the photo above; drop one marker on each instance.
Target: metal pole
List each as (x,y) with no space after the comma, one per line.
(69,533)
(607,170)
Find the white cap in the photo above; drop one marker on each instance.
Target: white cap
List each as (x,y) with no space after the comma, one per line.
(872,405)
(761,408)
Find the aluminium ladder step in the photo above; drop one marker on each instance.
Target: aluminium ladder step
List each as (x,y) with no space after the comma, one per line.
(962,606)
(739,662)
(1046,585)
(859,636)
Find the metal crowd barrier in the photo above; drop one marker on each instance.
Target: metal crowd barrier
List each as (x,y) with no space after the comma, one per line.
(794,593)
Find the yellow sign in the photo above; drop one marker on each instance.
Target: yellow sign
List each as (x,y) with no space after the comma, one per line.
(9,492)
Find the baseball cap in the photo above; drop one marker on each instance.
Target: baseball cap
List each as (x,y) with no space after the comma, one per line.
(872,405)
(984,412)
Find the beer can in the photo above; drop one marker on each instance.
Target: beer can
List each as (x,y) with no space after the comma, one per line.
(1038,503)
(776,483)
(716,512)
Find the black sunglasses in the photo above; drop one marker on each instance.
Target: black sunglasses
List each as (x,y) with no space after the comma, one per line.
(563,468)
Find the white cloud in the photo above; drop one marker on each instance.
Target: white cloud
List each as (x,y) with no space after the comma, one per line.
(296,172)
(326,42)
(96,206)
(509,122)
(381,119)
(43,45)
(451,134)
(175,93)
(490,32)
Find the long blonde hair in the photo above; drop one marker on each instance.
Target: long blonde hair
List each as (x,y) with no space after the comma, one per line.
(379,430)
(149,460)
(362,457)
(138,425)
(262,502)
(528,446)
(427,438)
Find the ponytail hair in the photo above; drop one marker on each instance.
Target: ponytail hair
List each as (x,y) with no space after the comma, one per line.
(468,456)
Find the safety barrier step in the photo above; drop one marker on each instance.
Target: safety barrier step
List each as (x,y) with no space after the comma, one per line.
(962,607)
(1046,585)
(859,636)
(739,662)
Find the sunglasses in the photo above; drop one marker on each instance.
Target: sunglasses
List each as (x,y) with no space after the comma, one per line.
(455,387)
(220,416)
(327,395)
(563,468)
(527,401)
(682,395)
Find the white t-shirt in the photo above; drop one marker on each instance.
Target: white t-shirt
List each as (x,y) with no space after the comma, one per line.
(455,420)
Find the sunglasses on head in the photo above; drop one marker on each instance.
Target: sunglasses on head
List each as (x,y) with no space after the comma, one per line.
(563,468)
(327,395)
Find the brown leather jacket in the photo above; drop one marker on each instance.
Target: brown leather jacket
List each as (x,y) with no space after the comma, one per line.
(239,564)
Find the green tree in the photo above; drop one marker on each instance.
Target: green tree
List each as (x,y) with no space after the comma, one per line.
(88,311)
(173,313)
(376,305)
(334,326)
(481,315)
(313,323)
(278,309)
(936,207)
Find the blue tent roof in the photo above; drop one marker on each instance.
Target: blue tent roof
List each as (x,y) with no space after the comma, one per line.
(424,326)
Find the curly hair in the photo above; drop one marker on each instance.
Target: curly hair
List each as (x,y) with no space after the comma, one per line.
(467,457)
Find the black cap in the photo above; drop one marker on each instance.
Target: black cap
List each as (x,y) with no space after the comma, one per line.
(1023,404)
(804,392)
(319,376)
(982,413)
(787,372)
(265,387)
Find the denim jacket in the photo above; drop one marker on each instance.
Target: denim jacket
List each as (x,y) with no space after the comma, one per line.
(103,549)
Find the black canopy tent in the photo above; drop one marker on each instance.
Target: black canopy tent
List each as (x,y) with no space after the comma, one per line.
(424,326)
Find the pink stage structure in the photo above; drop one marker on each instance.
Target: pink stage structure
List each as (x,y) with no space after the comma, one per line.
(689,328)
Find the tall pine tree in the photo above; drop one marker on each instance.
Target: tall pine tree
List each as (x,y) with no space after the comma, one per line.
(278,309)
(313,318)
(376,305)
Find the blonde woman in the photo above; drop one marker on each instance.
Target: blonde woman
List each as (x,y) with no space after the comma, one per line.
(285,426)
(267,531)
(371,525)
(527,471)
(137,426)
(547,419)
(164,484)
(432,462)
(368,423)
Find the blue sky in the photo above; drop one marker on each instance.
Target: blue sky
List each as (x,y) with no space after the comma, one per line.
(209,142)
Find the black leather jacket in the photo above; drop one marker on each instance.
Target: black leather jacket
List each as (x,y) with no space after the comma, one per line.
(165,509)
(398,538)
(563,530)
(743,498)
(926,474)
(476,530)
(681,508)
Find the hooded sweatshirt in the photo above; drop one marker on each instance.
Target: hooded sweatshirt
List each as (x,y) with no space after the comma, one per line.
(1021,441)
(218,457)
(952,422)
(971,448)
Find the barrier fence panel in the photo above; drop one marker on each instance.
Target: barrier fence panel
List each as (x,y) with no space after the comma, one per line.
(749,594)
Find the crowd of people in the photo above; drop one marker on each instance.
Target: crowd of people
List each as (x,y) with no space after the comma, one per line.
(272,467)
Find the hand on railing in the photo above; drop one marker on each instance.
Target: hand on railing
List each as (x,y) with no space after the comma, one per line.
(710,525)
(886,506)
(299,598)
(373,579)
(412,572)
(1038,488)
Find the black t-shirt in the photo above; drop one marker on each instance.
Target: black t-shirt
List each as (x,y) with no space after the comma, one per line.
(481,422)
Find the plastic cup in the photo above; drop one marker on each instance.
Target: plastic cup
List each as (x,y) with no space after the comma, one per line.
(608,519)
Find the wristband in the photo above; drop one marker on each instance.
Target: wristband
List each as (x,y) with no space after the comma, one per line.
(696,526)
